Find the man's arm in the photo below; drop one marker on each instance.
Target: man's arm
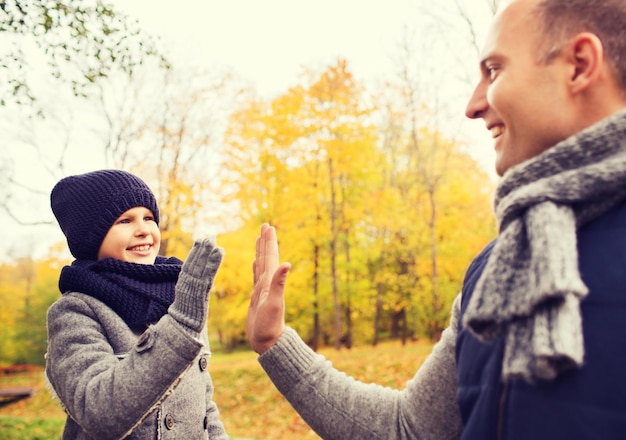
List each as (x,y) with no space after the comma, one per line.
(337,406)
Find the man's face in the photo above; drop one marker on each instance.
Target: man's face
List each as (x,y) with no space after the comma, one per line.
(523,101)
(134,237)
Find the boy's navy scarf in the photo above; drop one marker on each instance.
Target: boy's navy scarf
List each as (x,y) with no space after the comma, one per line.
(531,288)
(139,293)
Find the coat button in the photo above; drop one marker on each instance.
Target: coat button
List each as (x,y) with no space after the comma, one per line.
(143,338)
(169,421)
(203,363)
(144,342)
(206,422)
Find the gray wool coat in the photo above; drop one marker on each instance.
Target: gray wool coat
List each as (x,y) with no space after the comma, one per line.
(114,383)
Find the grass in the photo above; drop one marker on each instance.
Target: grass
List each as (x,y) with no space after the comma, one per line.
(35,418)
(251,407)
(14,428)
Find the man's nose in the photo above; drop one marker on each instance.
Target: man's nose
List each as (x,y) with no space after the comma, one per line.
(477,105)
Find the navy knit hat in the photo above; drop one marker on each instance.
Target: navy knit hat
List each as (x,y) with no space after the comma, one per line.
(87,205)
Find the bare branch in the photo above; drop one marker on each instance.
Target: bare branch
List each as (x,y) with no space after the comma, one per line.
(470,25)
(7,210)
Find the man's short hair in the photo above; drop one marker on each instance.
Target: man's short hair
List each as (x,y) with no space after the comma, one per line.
(561,20)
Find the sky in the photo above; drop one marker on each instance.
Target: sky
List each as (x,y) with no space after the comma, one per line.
(269,43)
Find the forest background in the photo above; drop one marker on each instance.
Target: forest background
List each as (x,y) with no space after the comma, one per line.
(379,191)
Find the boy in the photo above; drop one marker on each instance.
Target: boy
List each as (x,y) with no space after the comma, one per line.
(127,342)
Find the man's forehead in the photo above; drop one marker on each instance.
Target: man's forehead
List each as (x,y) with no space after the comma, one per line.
(514,8)
(512,20)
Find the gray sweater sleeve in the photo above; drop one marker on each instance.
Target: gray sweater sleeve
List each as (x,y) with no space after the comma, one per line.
(338,407)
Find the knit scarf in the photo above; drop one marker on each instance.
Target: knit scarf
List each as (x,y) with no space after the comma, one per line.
(531,288)
(138,293)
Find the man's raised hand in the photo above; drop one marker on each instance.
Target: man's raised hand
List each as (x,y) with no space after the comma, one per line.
(266,313)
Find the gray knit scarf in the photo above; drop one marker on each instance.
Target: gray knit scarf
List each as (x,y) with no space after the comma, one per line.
(531,288)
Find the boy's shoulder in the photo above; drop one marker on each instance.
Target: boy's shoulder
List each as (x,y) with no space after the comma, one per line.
(73,298)
(76,312)
(79,303)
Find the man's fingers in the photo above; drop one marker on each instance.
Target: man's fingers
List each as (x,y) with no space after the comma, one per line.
(255,276)
(257,265)
(275,296)
(269,249)
(280,277)
(256,293)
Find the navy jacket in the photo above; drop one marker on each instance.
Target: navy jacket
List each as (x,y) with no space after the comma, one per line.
(588,403)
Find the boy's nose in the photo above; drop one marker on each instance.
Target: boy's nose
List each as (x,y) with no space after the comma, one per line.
(142,229)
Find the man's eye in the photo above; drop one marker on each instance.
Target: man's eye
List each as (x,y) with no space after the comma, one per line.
(491,72)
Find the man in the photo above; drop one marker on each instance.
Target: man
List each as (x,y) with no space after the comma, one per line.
(535,345)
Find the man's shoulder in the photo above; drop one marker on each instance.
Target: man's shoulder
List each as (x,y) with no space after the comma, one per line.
(478,263)
(614,218)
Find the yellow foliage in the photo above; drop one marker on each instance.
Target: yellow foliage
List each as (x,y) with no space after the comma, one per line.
(379,215)
(27,289)
(366,214)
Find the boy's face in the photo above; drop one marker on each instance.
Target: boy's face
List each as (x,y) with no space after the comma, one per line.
(134,238)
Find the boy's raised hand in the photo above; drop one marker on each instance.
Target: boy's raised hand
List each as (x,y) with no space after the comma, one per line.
(190,307)
(266,313)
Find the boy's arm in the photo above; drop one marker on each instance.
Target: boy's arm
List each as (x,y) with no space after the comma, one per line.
(109,396)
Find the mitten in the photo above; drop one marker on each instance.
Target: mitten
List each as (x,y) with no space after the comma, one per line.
(191,306)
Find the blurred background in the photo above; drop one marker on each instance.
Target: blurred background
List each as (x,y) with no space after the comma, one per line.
(340,122)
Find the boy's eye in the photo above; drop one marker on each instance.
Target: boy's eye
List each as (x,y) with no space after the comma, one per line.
(124,221)
(148,219)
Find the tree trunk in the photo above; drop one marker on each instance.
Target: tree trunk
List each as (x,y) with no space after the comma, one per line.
(378,313)
(316,308)
(333,255)
(433,252)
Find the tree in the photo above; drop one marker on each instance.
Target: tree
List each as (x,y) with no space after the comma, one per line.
(83,41)
(56,58)
(31,335)
(144,115)
(170,134)
(417,114)
(27,289)
(344,131)
(352,186)
(300,162)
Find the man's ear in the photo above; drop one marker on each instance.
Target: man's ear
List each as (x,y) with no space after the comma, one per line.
(586,55)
